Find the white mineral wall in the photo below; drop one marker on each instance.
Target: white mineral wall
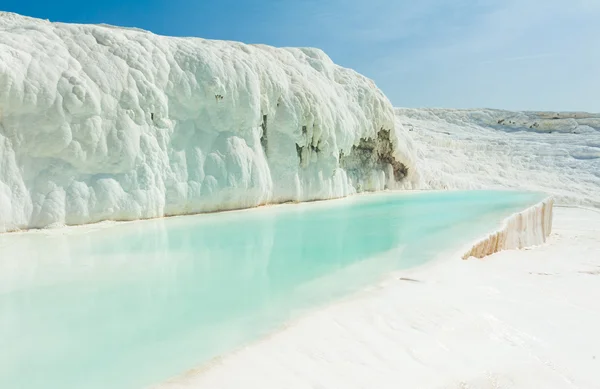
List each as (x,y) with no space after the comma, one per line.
(528,228)
(99,122)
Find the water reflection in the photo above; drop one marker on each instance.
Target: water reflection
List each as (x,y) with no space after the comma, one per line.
(130,305)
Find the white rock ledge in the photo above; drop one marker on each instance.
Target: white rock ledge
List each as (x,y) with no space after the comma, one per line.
(528,228)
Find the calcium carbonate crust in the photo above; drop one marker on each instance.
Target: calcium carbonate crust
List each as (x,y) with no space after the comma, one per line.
(99,122)
(528,228)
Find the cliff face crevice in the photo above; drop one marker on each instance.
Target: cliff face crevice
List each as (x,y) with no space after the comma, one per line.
(371,155)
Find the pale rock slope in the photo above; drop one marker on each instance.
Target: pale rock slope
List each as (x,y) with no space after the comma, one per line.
(99,122)
(553,152)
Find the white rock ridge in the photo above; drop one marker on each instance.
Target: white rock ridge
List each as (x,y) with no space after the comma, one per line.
(99,122)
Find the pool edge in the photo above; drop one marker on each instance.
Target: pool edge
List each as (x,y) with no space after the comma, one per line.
(530,227)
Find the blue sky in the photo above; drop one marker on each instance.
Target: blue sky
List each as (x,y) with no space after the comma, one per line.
(512,54)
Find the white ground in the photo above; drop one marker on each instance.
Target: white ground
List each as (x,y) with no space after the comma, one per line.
(518,319)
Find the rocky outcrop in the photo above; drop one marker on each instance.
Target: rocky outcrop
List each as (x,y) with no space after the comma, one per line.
(103,123)
(374,155)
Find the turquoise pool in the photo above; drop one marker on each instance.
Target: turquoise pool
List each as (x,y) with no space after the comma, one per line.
(133,304)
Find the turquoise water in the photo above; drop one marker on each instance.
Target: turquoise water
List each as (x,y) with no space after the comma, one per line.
(134,304)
